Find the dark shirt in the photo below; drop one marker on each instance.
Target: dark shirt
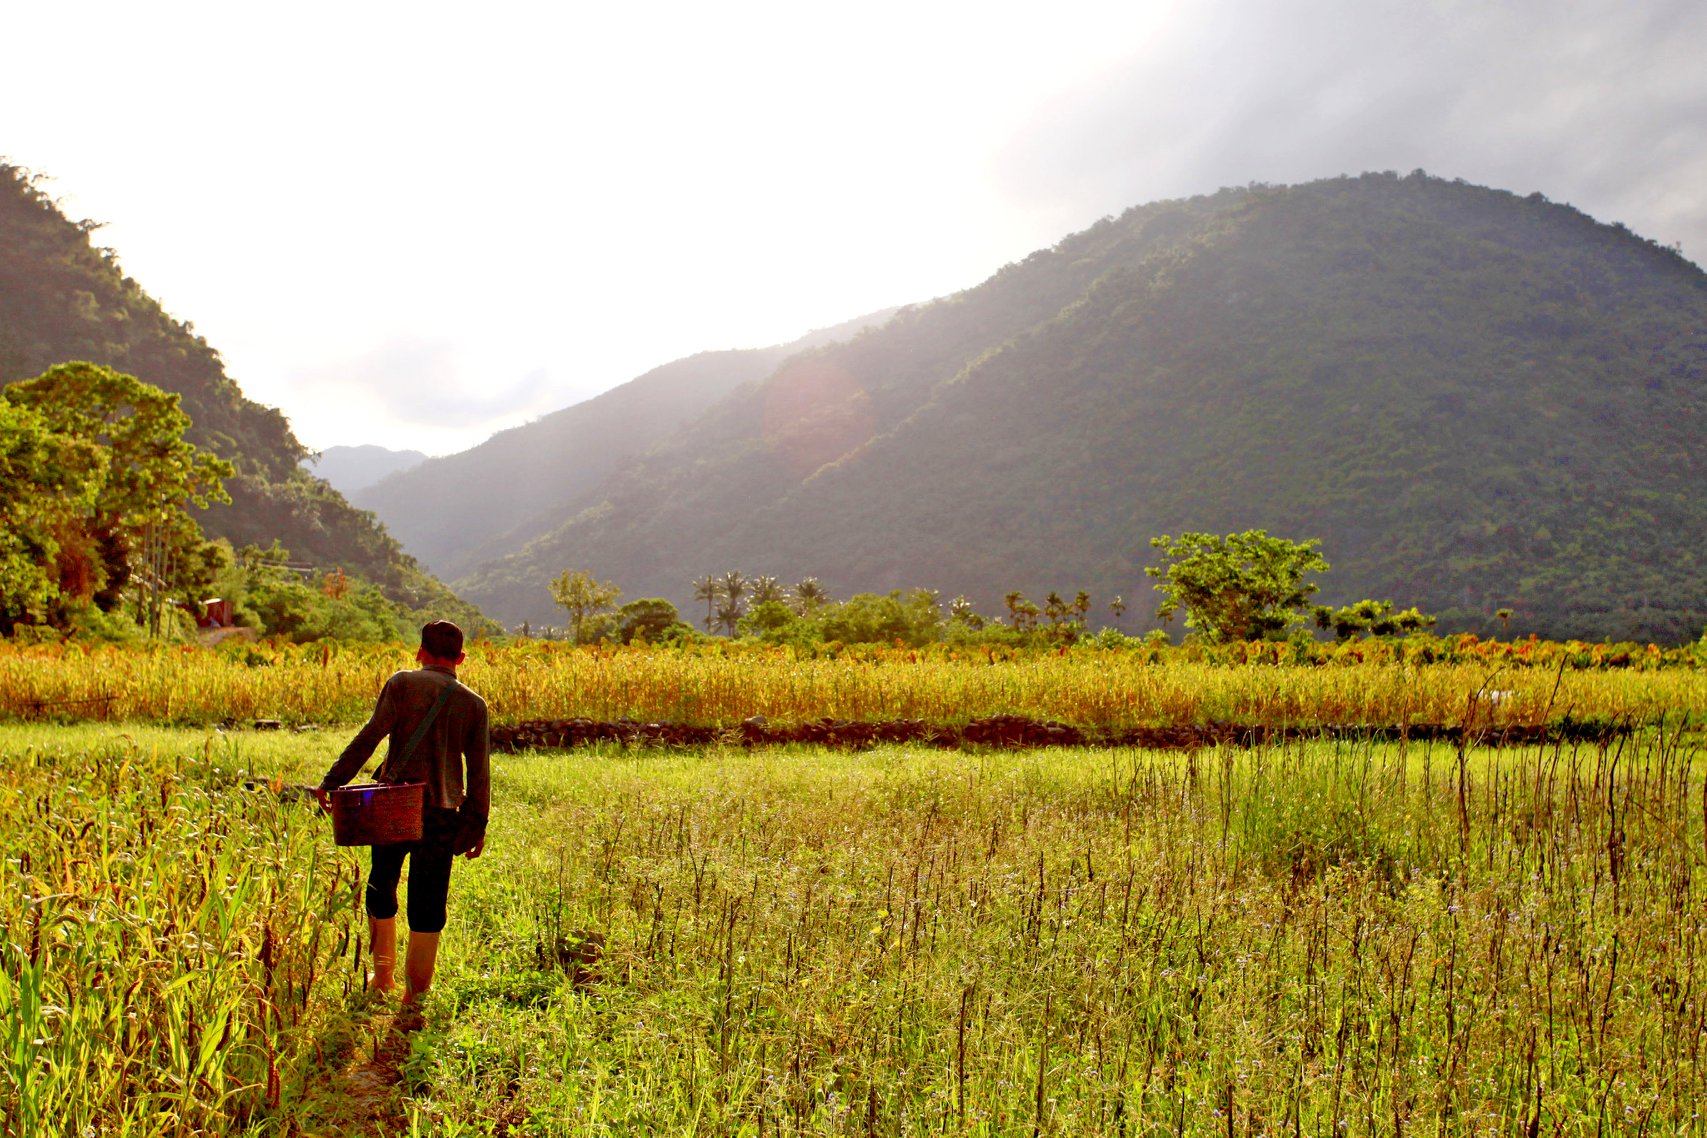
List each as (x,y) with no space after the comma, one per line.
(457,737)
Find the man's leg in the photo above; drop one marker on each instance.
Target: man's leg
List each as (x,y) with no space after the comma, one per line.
(429,886)
(382,913)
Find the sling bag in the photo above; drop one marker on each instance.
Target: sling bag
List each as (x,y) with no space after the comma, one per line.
(379,813)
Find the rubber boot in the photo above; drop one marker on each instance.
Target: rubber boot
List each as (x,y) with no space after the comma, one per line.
(382,936)
(418,971)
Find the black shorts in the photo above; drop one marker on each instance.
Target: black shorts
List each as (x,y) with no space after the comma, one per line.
(429,873)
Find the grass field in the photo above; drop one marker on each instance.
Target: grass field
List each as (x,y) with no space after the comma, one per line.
(1317,938)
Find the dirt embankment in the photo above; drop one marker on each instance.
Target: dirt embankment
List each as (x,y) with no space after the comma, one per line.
(1017,731)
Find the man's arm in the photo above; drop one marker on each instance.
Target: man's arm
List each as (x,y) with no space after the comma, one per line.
(362,746)
(477,800)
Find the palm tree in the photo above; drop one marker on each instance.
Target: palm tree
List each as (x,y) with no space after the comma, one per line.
(767,589)
(730,589)
(729,614)
(708,589)
(809,594)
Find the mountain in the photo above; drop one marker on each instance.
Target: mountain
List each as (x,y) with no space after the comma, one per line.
(349,469)
(457,511)
(1475,400)
(62,299)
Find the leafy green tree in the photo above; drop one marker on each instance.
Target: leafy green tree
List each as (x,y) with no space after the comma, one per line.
(867,618)
(1376,618)
(172,563)
(150,467)
(146,474)
(776,622)
(1413,619)
(47,482)
(648,619)
(583,596)
(286,606)
(1244,586)
(257,562)
(1345,622)
(924,616)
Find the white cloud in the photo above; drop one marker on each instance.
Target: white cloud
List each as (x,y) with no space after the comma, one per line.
(1599,105)
(406,393)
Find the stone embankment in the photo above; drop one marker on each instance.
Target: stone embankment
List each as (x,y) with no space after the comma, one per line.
(1017,731)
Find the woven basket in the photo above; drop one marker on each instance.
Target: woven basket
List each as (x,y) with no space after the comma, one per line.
(376,814)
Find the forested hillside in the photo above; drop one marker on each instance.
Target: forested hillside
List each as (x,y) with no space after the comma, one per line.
(62,299)
(1476,400)
(457,511)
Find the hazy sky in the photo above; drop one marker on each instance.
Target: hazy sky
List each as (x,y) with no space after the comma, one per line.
(416,224)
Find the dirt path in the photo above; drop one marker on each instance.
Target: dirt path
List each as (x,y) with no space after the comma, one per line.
(366,1094)
(211,636)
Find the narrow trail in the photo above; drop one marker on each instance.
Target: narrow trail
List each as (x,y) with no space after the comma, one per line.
(365,1095)
(372,1086)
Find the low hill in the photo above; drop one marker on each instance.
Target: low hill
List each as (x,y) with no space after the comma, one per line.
(1476,400)
(349,469)
(453,512)
(62,299)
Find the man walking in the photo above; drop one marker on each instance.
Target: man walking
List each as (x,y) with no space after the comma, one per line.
(451,759)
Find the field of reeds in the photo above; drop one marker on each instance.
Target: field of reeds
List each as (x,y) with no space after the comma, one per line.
(722,684)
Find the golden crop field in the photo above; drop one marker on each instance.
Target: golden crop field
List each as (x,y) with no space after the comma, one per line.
(722,685)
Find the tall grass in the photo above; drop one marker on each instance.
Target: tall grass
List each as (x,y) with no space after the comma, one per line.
(1310,938)
(320,684)
(166,933)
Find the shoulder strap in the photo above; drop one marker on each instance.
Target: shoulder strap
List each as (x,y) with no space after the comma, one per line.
(399,761)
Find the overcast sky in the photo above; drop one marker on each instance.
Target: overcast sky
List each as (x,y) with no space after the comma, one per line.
(416,224)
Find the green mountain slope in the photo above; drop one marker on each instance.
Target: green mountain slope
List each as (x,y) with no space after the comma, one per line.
(456,511)
(1475,400)
(61,299)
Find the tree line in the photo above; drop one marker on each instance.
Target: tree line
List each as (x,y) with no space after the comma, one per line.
(1238,587)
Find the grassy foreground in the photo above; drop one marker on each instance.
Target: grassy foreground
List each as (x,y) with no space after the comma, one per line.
(1311,939)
